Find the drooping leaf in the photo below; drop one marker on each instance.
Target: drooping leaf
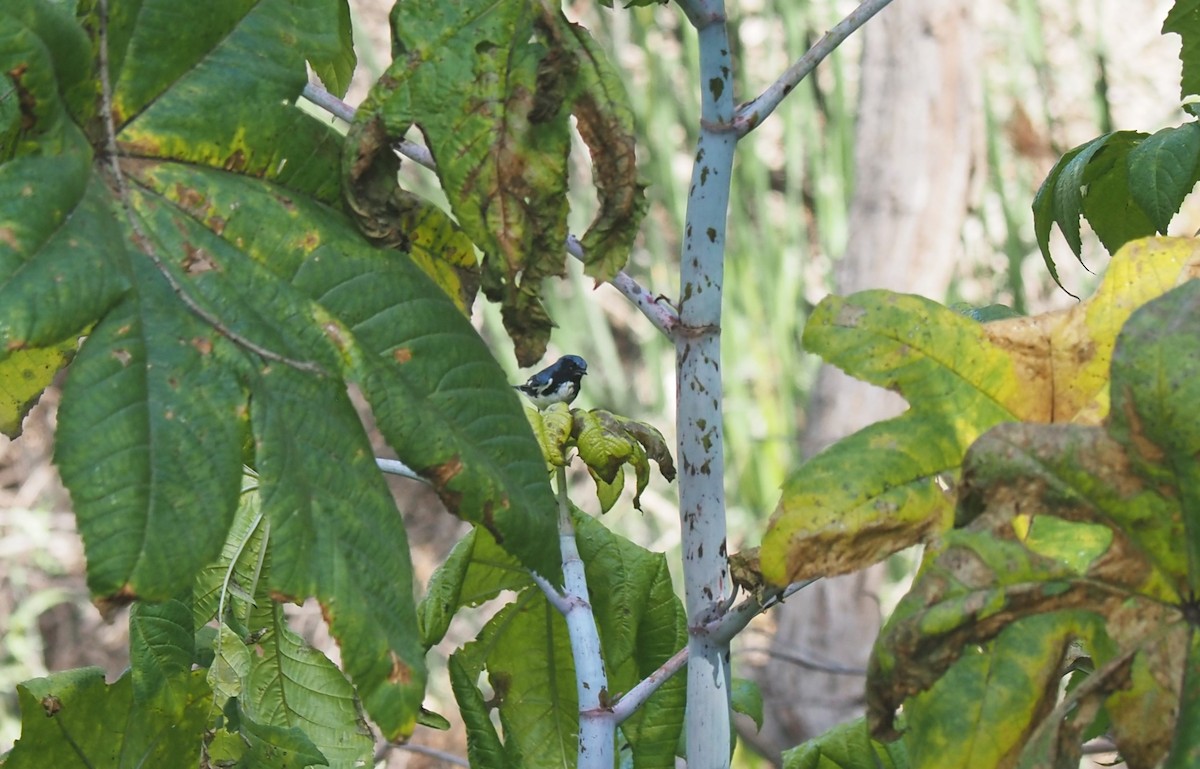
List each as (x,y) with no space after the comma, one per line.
(484,747)
(605,121)
(1092,180)
(501,140)
(1162,171)
(476,570)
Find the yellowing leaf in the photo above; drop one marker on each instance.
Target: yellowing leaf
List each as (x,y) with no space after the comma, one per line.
(878,491)
(24,374)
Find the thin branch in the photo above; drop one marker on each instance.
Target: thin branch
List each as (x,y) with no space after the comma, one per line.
(736,619)
(142,238)
(751,114)
(396,467)
(560,602)
(423,750)
(597,728)
(637,696)
(806,662)
(658,312)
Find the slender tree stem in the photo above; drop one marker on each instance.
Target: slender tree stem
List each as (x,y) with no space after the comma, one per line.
(597,728)
(707,586)
(752,113)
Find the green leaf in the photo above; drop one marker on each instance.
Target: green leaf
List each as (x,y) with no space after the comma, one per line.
(1156,379)
(527,656)
(1185,746)
(501,141)
(476,571)
(877,491)
(1092,180)
(1184,20)
(746,698)
(848,746)
(296,695)
(74,720)
(331,52)
(278,747)
(1068,192)
(24,374)
(161,650)
(1111,205)
(484,748)
(1162,171)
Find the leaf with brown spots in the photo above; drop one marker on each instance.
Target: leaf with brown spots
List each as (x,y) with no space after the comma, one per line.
(1075,533)
(881,489)
(501,139)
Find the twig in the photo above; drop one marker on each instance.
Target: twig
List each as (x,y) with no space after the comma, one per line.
(637,696)
(662,315)
(396,467)
(423,750)
(142,239)
(803,661)
(751,114)
(736,619)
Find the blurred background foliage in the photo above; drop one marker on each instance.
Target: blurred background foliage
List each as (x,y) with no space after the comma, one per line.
(1055,74)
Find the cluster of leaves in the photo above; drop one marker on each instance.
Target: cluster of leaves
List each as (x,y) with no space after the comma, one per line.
(258,692)
(501,137)
(526,654)
(1076,534)
(1072,532)
(214,296)
(606,442)
(1127,184)
(884,488)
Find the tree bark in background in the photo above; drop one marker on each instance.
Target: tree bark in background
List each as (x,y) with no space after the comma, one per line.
(918,148)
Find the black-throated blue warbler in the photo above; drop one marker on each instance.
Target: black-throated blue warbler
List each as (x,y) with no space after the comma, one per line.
(557,383)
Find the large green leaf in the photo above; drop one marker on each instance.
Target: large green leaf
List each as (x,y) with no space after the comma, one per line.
(228,303)
(1076,533)
(501,138)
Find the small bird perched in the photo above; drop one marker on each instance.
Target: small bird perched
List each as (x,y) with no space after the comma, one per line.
(557,383)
